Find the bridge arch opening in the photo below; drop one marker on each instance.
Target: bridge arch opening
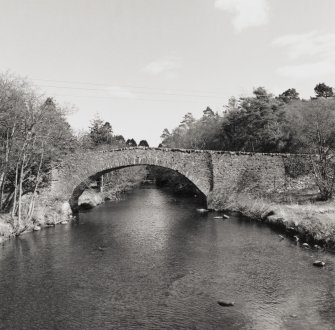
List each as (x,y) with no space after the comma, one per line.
(86,183)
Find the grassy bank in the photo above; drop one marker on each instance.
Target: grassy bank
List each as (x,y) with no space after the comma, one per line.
(51,210)
(47,213)
(6,230)
(312,222)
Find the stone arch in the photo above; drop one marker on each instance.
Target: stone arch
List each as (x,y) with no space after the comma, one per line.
(79,169)
(78,190)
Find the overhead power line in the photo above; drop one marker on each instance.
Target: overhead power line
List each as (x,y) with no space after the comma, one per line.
(137,93)
(105,87)
(120,98)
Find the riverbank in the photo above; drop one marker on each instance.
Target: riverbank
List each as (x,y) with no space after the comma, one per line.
(91,198)
(48,213)
(311,222)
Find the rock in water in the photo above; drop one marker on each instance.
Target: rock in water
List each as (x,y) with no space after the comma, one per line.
(281,237)
(202,210)
(226,216)
(319,263)
(218,217)
(226,303)
(306,245)
(89,199)
(36,228)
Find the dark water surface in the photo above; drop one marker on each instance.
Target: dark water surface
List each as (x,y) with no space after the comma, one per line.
(164,266)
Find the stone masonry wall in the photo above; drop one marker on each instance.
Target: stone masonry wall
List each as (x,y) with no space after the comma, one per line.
(254,173)
(74,175)
(212,172)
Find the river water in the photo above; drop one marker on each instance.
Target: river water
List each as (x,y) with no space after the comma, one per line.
(162,265)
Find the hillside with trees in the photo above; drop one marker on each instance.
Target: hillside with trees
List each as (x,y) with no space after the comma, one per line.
(267,123)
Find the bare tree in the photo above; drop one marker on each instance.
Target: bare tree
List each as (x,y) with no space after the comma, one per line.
(33,135)
(313,126)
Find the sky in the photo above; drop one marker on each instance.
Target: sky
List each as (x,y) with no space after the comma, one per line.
(142,64)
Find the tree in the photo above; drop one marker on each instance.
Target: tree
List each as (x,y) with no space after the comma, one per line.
(187,121)
(289,95)
(131,143)
(208,112)
(166,134)
(143,143)
(120,139)
(34,136)
(255,124)
(313,124)
(322,90)
(100,132)
(196,134)
(261,93)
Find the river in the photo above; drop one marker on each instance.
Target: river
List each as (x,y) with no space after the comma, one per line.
(152,261)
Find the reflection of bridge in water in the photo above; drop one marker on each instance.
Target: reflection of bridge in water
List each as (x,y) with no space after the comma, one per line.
(209,171)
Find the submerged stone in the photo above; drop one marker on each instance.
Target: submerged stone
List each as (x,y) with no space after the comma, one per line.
(202,210)
(226,303)
(319,263)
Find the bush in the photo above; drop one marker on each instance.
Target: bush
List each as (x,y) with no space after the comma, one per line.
(6,228)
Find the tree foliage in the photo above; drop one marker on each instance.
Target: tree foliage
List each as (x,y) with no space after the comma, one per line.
(131,143)
(313,127)
(34,135)
(289,95)
(100,132)
(255,124)
(265,123)
(196,134)
(323,90)
(143,143)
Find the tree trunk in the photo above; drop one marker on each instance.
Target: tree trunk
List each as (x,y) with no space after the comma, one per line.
(32,202)
(102,183)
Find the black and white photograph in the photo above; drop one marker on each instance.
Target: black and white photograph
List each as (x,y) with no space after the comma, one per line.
(167,164)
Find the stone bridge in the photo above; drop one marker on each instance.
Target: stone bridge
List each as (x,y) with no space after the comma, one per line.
(214,173)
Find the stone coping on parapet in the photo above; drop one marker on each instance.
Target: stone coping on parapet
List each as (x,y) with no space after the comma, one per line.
(219,152)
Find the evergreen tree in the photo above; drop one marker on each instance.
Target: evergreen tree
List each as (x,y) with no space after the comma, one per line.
(131,143)
(322,90)
(143,143)
(100,132)
(289,95)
